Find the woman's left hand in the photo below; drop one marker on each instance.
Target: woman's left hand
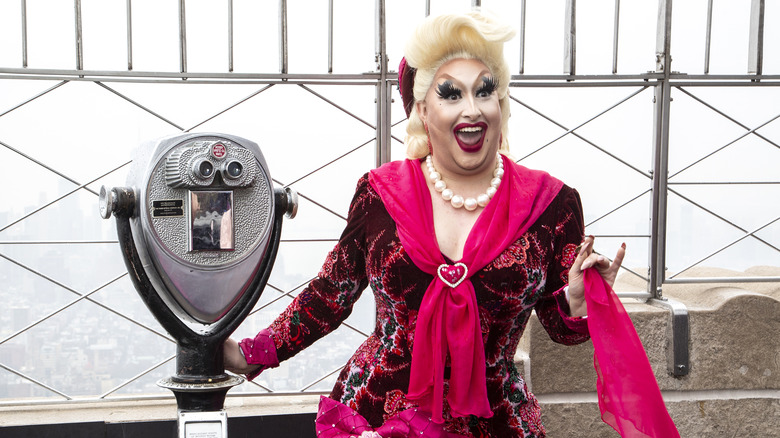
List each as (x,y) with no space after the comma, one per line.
(586,259)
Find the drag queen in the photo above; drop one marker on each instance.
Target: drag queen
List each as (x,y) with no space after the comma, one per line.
(458,244)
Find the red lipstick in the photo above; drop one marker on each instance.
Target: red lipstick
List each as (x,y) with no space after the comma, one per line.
(470,136)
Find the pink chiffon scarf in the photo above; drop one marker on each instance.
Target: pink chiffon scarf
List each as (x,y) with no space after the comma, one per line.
(448,320)
(629,398)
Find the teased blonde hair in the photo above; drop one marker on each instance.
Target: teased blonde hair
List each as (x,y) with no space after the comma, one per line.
(439,39)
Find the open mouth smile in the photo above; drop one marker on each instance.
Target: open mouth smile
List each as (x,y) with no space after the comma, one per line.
(470,136)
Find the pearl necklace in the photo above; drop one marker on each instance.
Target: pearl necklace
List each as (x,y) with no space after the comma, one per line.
(458,201)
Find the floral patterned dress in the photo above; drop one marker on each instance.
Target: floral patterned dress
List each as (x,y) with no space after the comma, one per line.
(528,275)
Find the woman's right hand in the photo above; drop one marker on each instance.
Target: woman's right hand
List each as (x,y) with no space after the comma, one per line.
(234,360)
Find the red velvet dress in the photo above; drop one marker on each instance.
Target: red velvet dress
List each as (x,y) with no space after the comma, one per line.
(528,275)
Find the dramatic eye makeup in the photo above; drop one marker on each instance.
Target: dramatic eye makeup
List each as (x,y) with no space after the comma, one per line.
(446,90)
(489,85)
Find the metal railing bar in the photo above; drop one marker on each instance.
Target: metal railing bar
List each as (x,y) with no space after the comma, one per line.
(61,309)
(139,105)
(330,162)
(722,218)
(751,131)
(752,233)
(182,37)
(24,33)
(330,36)
(230,107)
(636,274)
(708,38)
(427,7)
(617,208)
(644,296)
(616,78)
(307,240)
(615,34)
(54,242)
(138,376)
(82,186)
(683,80)
(129,13)
(50,169)
(742,81)
(572,132)
(96,74)
(79,36)
(268,390)
(283,36)
(321,379)
(41,384)
(334,104)
(570,37)
(628,236)
(572,83)
(731,119)
(301,195)
(719,183)
(97,303)
(230,35)
(81,78)
(521,36)
(756,38)
(43,93)
(148,397)
(696,280)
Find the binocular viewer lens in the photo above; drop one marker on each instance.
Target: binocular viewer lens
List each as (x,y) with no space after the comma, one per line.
(203,169)
(233,169)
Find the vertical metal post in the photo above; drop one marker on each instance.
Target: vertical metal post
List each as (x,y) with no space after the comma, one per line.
(570,38)
(230,35)
(708,38)
(283,36)
(615,37)
(427,7)
(129,12)
(662,101)
(522,37)
(756,42)
(182,37)
(24,33)
(383,89)
(79,48)
(330,36)
(476,4)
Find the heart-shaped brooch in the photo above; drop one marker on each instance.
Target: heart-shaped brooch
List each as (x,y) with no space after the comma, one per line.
(452,275)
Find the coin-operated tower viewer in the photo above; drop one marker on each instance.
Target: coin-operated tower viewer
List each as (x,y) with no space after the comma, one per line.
(199,226)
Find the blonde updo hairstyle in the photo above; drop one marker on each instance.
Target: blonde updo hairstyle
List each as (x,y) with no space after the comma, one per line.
(439,39)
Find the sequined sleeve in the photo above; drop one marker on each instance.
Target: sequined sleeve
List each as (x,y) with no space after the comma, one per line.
(328,299)
(567,232)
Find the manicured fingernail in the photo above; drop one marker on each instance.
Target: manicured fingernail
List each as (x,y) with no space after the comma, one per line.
(623,245)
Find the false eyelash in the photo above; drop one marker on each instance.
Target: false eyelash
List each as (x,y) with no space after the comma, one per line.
(489,85)
(446,90)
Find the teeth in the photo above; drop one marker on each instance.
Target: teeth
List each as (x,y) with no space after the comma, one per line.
(471,129)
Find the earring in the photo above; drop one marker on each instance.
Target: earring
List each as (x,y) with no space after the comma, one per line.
(430,147)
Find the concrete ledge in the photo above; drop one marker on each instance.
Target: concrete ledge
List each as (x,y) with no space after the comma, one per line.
(713,417)
(150,410)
